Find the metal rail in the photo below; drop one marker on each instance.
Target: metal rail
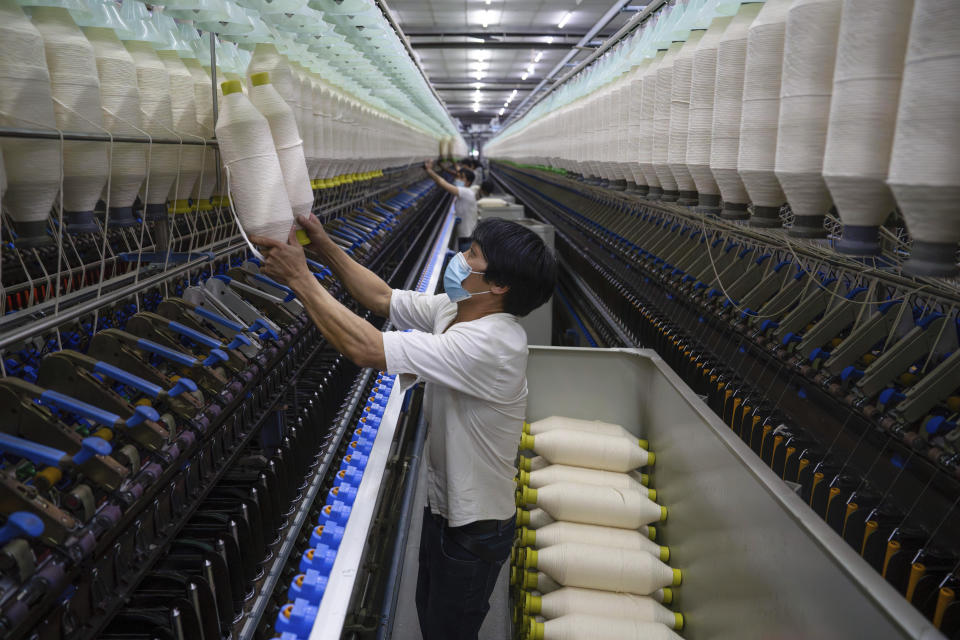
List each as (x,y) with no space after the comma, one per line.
(18,132)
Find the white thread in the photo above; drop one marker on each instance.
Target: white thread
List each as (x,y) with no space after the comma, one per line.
(576,626)
(702,97)
(157,117)
(606,604)
(75,84)
(635,121)
(647,114)
(925,164)
(289,146)
(539,518)
(608,568)
(203,102)
(809,56)
(598,451)
(725,145)
(31,165)
(761,105)
(680,112)
(594,426)
(566,473)
(595,504)
(661,118)
(306,120)
(319,127)
(559,532)
(257,189)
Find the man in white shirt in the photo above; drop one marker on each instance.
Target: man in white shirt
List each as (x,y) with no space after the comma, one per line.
(465,205)
(468,347)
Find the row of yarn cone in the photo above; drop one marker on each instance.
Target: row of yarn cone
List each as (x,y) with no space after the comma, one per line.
(585,564)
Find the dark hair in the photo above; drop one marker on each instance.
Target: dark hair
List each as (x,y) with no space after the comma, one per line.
(487,186)
(516,258)
(469,175)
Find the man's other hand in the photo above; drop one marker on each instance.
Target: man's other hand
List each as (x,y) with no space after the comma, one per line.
(285,263)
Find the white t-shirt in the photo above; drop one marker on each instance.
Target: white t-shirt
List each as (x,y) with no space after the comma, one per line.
(466,209)
(475,401)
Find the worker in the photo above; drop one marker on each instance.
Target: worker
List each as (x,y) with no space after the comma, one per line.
(465,203)
(469,348)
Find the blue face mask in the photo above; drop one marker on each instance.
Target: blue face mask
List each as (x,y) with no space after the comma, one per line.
(456,272)
(459,183)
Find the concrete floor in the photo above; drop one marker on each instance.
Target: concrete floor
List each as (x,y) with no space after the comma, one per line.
(497,624)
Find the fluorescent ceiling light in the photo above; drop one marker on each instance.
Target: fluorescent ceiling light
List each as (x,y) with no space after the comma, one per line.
(549,39)
(486,17)
(507,103)
(480,54)
(530,68)
(476,107)
(523,76)
(539,56)
(513,94)
(501,111)
(565,19)
(477,85)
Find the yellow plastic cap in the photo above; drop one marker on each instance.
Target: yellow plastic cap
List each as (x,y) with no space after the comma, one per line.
(524,477)
(526,441)
(529,580)
(678,621)
(645,479)
(526,427)
(644,444)
(257,79)
(677,577)
(523,517)
(529,495)
(514,575)
(663,514)
(667,595)
(652,494)
(231,86)
(528,537)
(664,554)
(535,631)
(524,464)
(532,604)
(302,236)
(530,560)
(651,458)
(652,532)
(518,497)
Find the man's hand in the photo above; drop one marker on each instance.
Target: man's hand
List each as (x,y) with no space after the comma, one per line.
(285,263)
(318,236)
(428,165)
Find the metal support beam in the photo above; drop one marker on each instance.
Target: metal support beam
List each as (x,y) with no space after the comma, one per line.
(490,44)
(472,32)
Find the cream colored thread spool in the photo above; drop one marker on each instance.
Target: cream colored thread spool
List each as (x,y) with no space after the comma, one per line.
(564,473)
(319,129)
(538,581)
(647,113)
(156,106)
(257,188)
(203,99)
(597,451)
(661,123)
(702,97)
(287,141)
(120,97)
(623,131)
(925,165)
(594,602)
(680,118)
(183,109)
(577,424)
(607,568)
(863,115)
(725,145)
(534,518)
(75,87)
(809,56)
(306,120)
(576,626)
(635,121)
(592,504)
(761,112)
(32,166)
(559,532)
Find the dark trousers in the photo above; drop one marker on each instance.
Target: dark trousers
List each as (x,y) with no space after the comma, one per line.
(453,584)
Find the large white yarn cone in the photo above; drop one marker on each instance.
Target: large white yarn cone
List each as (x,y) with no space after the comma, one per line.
(183,105)
(577,626)
(592,504)
(203,99)
(597,451)
(925,166)
(306,119)
(702,98)
(156,105)
(761,113)
(32,166)
(608,568)
(809,56)
(552,423)
(635,124)
(680,117)
(725,146)
(661,123)
(565,473)
(257,188)
(559,532)
(594,602)
(863,116)
(121,102)
(319,127)
(75,86)
(647,113)
(286,139)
